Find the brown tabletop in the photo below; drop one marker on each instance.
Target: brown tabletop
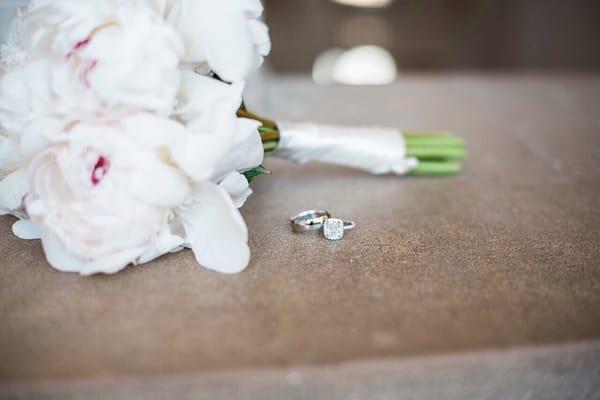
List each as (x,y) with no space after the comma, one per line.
(504,255)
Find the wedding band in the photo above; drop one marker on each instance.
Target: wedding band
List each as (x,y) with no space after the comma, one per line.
(309,220)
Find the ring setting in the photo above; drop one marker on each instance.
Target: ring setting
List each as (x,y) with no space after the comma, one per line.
(333,228)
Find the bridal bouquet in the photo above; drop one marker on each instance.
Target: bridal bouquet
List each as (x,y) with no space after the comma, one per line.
(123,135)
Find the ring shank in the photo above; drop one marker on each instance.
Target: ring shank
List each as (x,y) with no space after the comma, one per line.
(349,225)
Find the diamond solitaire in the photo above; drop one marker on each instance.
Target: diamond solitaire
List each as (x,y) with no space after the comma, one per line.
(333,229)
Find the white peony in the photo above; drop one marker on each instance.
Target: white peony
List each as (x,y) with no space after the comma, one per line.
(79,60)
(225,36)
(112,150)
(141,191)
(101,204)
(22,132)
(91,60)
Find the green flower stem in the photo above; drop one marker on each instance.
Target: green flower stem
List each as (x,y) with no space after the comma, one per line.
(243,113)
(422,134)
(432,141)
(444,153)
(255,172)
(437,153)
(440,168)
(270,147)
(268,134)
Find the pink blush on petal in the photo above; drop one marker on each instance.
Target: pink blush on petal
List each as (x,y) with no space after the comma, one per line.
(100,170)
(86,71)
(78,46)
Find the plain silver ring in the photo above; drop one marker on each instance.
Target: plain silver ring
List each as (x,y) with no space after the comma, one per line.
(309,220)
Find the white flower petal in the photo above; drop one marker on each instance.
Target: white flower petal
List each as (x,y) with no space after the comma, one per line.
(62,260)
(215,229)
(194,152)
(172,190)
(12,54)
(58,256)
(39,133)
(200,97)
(99,59)
(252,8)
(260,34)
(13,189)
(238,188)
(162,7)
(24,94)
(217,32)
(26,229)
(10,155)
(166,242)
(246,153)
(112,263)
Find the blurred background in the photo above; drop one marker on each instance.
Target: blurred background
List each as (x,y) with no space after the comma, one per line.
(370,41)
(373,41)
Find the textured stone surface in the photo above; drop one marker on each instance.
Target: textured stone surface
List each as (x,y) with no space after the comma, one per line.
(504,255)
(564,372)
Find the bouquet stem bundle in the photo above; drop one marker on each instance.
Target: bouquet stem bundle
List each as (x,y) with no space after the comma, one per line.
(437,153)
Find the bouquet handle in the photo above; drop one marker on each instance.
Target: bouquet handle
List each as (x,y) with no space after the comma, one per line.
(375,150)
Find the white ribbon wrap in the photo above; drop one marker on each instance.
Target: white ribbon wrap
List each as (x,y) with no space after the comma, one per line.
(372,149)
